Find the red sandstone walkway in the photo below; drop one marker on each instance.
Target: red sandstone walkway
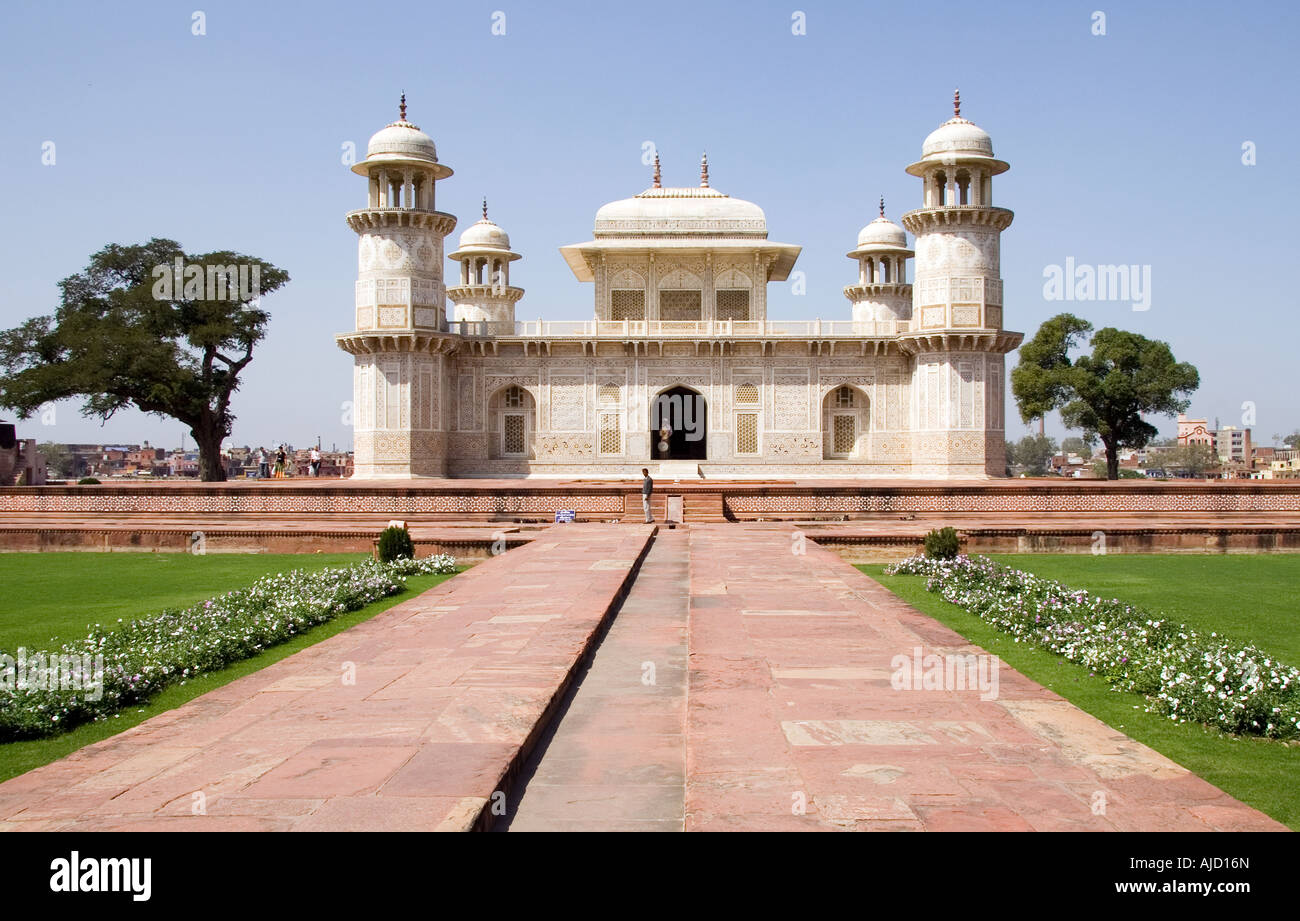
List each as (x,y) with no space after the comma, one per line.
(792,708)
(617,760)
(789,720)
(448,689)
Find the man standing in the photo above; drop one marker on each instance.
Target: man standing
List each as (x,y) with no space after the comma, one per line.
(262,471)
(647,489)
(315,461)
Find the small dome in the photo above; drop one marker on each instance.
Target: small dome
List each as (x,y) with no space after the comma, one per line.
(957,137)
(402,140)
(882,232)
(484,234)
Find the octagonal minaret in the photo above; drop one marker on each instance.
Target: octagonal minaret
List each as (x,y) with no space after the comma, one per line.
(882,294)
(401,340)
(484,295)
(956,336)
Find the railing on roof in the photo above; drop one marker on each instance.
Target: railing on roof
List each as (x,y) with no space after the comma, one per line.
(685,329)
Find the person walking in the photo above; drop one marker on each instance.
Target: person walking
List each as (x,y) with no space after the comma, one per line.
(314,464)
(647,490)
(262,471)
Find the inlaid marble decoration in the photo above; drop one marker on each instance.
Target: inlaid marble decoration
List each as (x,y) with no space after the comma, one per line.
(906,380)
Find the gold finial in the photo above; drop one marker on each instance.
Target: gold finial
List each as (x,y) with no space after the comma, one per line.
(956,103)
(882,206)
(704,171)
(485,207)
(656,173)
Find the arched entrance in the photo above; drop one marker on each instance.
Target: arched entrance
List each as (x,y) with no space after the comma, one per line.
(679,425)
(512,422)
(846,424)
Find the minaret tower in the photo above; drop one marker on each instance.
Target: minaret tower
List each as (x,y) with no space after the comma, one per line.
(956,338)
(882,294)
(484,294)
(401,341)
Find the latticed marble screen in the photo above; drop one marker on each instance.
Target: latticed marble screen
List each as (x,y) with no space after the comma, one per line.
(608,393)
(746,395)
(733,305)
(845,435)
(512,436)
(679,305)
(746,433)
(626,304)
(611,441)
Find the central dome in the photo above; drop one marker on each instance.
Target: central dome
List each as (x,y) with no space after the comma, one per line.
(676,211)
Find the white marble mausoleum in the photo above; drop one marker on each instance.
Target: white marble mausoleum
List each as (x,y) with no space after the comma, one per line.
(678,367)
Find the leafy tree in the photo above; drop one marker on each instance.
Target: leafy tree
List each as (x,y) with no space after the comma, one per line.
(58,458)
(1105,393)
(150,326)
(1291,441)
(1195,459)
(1076,445)
(1035,452)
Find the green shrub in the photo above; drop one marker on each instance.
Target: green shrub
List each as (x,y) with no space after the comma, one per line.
(942,544)
(395,543)
(87,481)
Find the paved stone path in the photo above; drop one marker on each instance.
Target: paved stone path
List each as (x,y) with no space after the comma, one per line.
(792,709)
(617,759)
(773,708)
(447,691)
(793,722)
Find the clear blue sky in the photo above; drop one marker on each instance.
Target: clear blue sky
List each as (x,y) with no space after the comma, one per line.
(1124,148)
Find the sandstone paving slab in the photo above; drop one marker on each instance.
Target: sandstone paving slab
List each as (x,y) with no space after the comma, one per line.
(616,757)
(794,722)
(411,720)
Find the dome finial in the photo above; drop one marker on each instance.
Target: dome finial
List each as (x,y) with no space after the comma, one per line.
(882,206)
(401,107)
(656,179)
(485,207)
(704,170)
(956,103)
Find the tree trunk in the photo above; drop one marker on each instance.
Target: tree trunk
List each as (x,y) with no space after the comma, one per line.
(1112,461)
(211,469)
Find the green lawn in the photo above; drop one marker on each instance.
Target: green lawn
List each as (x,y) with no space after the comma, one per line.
(1251,597)
(63,592)
(53,597)
(1248,596)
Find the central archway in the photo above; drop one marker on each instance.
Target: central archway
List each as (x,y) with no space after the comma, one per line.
(679,425)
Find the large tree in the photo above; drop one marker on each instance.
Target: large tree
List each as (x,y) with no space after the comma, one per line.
(1034,453)
(1105,393)
(149,326)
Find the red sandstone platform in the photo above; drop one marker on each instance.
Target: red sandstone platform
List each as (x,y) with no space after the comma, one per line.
(791,705)
(313,514)
(449,691)
(773,708)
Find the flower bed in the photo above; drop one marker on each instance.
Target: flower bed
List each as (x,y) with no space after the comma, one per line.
(1184,675)
(114,667)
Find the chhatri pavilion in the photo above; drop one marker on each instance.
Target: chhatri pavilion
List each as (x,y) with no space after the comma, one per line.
(678,368)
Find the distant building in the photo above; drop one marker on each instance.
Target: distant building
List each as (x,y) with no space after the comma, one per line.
(1232,445)
(1194,431)
(21,464)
